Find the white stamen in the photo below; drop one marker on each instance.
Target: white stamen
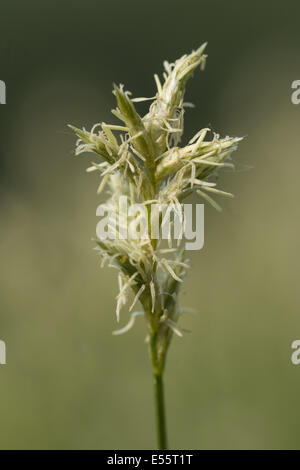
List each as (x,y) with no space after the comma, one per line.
(129,324)
(136,298)
(152,290)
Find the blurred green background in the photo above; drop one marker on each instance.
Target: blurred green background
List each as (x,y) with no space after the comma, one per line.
(68,383)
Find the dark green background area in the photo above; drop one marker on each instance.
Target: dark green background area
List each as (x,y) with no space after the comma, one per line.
(68,382)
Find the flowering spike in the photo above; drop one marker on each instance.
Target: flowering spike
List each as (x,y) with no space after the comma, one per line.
(144,163)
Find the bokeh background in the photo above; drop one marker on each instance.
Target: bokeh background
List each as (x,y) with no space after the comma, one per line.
(68,383)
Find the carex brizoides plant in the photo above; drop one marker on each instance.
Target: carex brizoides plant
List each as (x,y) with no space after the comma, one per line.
(142,161)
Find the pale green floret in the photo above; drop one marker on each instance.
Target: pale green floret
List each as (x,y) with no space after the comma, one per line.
(165,117)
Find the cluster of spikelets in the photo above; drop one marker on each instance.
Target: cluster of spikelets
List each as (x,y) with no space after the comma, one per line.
(142,160)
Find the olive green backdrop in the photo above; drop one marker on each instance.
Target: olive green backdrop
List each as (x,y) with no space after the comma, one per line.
(68,382)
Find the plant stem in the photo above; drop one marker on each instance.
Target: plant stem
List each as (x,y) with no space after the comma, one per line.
(158,368)
(160,411)
(159,400)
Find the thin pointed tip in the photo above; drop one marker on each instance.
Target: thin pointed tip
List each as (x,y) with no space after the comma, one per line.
(202,47)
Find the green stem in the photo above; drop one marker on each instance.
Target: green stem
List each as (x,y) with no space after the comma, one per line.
(159,400)
(160,411)
(157,364)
